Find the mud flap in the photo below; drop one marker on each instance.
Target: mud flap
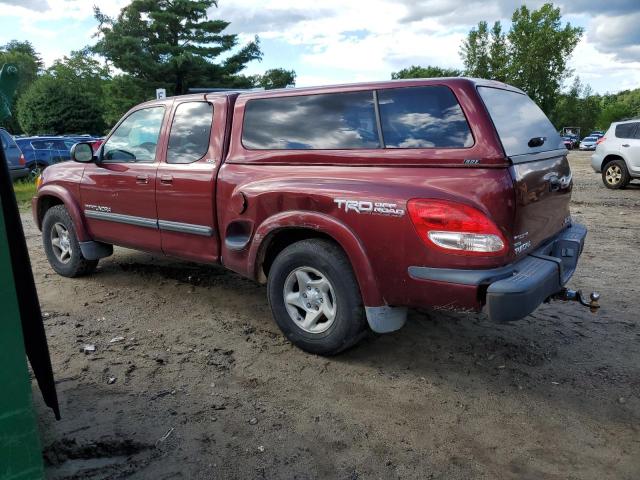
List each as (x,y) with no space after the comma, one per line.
(386,319)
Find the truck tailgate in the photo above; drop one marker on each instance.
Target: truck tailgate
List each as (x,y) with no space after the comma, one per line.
(543,193)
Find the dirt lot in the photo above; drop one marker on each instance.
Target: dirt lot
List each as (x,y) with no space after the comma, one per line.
(206,387)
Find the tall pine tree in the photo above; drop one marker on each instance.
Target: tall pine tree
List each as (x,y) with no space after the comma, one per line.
(173,43)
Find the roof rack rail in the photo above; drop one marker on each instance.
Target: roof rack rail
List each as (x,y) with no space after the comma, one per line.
(222,89)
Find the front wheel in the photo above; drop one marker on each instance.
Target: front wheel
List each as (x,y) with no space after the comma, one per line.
(61,244)
(615,175)
(315,298)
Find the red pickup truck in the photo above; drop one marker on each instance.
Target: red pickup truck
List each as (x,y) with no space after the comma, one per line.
(350,202)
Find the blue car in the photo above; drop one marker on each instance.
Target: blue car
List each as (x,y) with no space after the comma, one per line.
(40,152)
(15,159)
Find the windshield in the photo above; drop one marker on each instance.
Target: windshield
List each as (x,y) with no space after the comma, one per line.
(589,139)
(518,120)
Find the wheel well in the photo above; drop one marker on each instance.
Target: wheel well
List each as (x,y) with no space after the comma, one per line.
(281,239)
(608,159)
(44,204)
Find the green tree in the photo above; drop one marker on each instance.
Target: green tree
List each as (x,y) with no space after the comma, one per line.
(122,93)
(533,55)
(614,112)
(55,106)
(498,60)
(173,43)
(29,66)
(275,78)
(475,52)
(567,108)
(429,71)
(83,71)
(539,48)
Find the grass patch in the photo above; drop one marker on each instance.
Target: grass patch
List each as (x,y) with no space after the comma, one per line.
(24,190)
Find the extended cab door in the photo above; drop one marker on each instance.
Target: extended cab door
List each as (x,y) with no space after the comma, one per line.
(118,192)
(186,181)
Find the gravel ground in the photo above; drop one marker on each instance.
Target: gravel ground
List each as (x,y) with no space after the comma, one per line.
(204,386)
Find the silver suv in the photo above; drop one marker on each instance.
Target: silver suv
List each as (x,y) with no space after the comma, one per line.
(617,154)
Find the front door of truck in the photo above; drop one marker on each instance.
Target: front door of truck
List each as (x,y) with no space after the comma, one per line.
(185,185)
(119,191)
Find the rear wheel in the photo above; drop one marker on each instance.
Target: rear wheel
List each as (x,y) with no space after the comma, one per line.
(315,299)
(61,244)
(615,175)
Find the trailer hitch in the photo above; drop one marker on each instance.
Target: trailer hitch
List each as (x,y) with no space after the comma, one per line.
(567,295)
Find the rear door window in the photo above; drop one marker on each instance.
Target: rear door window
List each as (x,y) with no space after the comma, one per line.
(518,119)
(628,130)
(190,132)
(422,117)
(311,122)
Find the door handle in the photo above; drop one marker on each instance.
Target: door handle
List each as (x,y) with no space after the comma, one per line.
(626,145)
(166,179)
(142,179)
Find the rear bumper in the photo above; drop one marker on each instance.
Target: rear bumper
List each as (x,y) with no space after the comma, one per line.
(514,291)
(596,161)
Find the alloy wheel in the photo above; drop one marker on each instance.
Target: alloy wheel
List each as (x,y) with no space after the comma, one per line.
(613,174)
(61,243)
(310,300)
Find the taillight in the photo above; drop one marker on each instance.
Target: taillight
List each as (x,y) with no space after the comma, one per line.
(22,160)
(456,228)
(600,140)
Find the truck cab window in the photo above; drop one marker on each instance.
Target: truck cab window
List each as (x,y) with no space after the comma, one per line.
(136,138)
(190,132)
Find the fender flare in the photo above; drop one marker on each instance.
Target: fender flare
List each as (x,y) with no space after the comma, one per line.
(343,235)
(70,204)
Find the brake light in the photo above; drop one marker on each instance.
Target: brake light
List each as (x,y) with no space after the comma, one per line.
(456,228)
(600,140)
(22,159)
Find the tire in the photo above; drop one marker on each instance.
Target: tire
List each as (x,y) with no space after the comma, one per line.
(336,299)
(56,222)
(615,175)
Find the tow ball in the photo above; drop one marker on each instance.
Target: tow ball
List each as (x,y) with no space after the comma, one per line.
(567,295)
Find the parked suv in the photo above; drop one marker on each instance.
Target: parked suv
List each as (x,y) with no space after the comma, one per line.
(41,152)
(15,159)
(617,155)
(350,202)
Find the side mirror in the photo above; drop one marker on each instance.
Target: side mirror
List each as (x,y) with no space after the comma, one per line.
(82,152)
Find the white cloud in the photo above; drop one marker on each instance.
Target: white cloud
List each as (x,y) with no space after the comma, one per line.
(602,70)
(59,9)
(618,34)
(338,41)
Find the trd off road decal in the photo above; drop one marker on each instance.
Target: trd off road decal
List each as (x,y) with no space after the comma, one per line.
(98,208)
(371,207)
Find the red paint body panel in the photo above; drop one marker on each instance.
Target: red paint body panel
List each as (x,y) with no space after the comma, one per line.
(116,186)
(261,193)
(62,181)
(186,193)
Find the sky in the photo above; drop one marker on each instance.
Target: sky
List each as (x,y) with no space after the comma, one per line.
(341,41)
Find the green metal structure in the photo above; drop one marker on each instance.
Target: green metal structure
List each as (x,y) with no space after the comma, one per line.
(8,83)
(22,333)
(20,453)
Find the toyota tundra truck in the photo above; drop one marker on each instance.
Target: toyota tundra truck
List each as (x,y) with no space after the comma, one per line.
(352,203)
